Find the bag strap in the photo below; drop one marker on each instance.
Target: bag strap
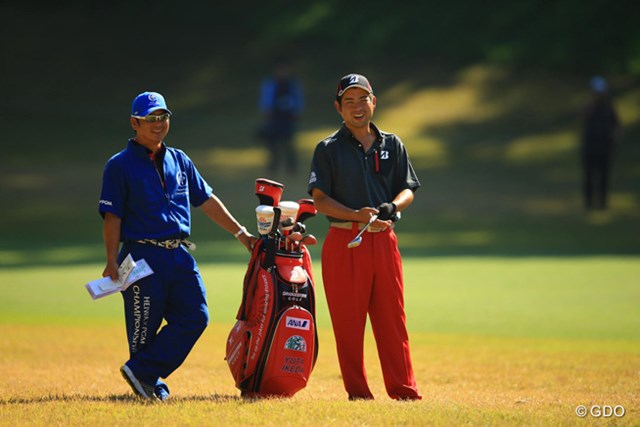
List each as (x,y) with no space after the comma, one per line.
(250,279)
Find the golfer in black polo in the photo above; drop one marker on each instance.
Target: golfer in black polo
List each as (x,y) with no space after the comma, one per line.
(358,172)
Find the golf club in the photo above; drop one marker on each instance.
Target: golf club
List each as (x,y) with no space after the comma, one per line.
(298,226)
(308,239)
(288,222)
(358,239)
(293,240)
(273,241)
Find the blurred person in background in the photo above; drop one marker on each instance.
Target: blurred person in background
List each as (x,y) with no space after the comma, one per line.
(281,103)
(600,132)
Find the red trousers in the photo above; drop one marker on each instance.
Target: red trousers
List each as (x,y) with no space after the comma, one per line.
(368,280)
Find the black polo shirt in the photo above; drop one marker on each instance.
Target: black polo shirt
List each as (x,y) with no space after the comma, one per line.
(342,170)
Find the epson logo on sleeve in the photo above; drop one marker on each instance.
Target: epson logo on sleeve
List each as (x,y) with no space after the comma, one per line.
(297,323)
(106,202)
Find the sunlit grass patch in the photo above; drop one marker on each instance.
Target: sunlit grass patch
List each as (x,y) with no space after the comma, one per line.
(307,140)
(231,161)
(414,110)
(427,152)
(551,205)
(627,107)
(541,148)
(69,375)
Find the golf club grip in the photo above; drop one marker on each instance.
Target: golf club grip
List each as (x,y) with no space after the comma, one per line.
(272,242)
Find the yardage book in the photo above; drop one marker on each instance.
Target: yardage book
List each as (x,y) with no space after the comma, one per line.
(129,272)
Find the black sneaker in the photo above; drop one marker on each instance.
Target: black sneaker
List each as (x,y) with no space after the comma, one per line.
(143,390)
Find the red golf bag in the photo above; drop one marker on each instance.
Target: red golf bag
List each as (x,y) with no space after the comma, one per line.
(273,346)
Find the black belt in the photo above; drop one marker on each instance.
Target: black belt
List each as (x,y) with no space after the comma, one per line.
(169,243)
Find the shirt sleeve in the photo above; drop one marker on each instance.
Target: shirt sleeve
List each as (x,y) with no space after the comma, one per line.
(114,189)
(320,175)
(199,190)
(406,175)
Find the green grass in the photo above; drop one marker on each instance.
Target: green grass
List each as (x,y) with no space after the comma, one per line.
(574,298)
(495,340)
(545,297)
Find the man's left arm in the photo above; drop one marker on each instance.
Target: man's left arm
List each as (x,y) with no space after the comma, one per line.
(406,183)
(398,204)
(403,199)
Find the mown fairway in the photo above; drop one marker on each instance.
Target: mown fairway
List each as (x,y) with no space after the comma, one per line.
(494,341)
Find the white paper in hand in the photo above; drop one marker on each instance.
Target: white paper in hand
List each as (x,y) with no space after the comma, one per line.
(126,267)
(141,270)
(129,272)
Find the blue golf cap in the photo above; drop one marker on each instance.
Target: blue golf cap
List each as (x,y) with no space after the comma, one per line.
(148,102)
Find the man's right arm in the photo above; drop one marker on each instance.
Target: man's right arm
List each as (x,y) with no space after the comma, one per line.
(111,235)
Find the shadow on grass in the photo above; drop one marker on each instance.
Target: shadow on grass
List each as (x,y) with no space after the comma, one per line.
(116,398)
(437,235)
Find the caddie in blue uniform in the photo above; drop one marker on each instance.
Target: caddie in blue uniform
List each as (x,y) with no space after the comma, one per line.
(147,193)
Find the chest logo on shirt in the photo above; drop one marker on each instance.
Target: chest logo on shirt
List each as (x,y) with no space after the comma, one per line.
(384,155)
(181,178)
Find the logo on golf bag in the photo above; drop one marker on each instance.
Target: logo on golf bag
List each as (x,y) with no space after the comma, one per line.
(294,296)
(297,323)
(297,343)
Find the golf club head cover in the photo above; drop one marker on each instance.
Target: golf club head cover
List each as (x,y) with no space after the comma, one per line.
(306,210)
(269,192)
(299,227)
(386,211)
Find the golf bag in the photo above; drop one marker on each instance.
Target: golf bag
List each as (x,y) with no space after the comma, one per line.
(273,346)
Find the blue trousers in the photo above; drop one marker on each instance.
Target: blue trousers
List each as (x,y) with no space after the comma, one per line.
(176,294)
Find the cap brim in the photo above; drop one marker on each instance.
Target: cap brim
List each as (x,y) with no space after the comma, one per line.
(159,108)
(354,86)
(152,110)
